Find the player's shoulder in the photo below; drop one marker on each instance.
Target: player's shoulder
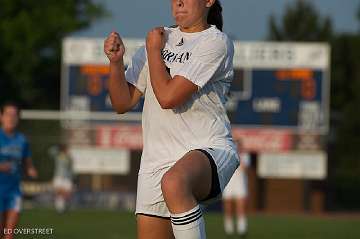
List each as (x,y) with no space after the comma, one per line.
(172,33)
(171,29)
(21,137)
(217,38)
(215,33)
(2,137)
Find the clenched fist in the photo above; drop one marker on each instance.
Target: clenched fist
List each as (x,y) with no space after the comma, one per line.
(155,40)
(114,47)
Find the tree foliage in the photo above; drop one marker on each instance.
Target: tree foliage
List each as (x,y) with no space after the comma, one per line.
(301,22)
(31,32)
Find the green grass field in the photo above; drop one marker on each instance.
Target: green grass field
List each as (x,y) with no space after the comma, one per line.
(100,224)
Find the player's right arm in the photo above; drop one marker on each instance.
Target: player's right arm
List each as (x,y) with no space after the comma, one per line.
(5,167)
(124,96)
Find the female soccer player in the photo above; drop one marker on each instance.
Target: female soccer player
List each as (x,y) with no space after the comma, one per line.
(189,156)
(14,156)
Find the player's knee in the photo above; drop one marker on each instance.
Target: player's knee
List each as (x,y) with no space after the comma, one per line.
(173,184)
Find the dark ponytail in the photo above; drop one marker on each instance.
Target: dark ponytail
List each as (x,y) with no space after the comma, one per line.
(215,15)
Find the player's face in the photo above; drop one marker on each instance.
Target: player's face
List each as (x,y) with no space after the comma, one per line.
(9,118)
(188,13)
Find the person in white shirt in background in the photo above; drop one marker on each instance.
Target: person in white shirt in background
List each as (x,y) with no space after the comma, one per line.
(63,175)
(235,196)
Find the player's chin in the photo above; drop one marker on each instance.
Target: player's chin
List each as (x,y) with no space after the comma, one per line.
(10,126)
(182,22)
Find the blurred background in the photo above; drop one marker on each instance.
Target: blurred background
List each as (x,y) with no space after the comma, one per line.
(294,103)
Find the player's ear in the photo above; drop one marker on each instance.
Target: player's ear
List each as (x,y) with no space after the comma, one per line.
(209,3)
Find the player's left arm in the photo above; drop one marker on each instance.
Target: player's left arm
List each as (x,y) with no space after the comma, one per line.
(170,92)
(29,168)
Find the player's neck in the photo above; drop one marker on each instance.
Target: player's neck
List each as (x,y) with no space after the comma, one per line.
(197,27)
(8,132)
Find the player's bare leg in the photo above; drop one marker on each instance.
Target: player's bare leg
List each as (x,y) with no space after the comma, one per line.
(241,216)
(241,206)
(228,216)
(153,228)
(11,219)
(62,198)
(187,182)
(183,186)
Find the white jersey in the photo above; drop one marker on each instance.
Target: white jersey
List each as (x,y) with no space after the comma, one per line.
(238,186)
(205,58)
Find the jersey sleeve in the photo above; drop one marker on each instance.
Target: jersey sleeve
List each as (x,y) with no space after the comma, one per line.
(26,152)
(136,72)
(204,61)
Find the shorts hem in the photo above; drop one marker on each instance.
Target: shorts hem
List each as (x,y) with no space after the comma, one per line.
(152,215)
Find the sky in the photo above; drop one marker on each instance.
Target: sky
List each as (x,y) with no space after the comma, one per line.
(243,19)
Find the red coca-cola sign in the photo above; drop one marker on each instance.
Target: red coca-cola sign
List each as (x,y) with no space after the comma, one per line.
(258,140)
(264,140)
(119,136)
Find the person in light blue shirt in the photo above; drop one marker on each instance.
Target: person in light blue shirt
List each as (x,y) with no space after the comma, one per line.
(15,157)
